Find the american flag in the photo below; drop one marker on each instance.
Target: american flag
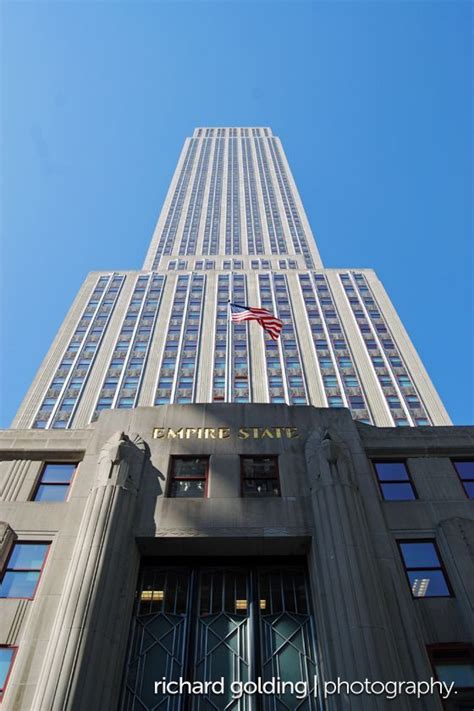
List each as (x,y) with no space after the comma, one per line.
(270,323)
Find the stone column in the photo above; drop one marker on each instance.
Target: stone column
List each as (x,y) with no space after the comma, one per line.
(353,625)
(82,666)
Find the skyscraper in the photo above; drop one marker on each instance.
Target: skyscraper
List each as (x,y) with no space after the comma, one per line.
(232,227)
(234,543)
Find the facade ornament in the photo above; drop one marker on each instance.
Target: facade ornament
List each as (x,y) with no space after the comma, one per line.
(328,459)
(121,461)
(7,539)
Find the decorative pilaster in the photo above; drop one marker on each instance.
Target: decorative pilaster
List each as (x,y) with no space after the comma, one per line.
(79,670)
(7,539)
(455,538)
(353,622)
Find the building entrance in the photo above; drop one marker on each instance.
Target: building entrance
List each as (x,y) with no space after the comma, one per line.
(231,625)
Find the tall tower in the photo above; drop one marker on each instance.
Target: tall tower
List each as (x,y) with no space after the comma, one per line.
(232,227)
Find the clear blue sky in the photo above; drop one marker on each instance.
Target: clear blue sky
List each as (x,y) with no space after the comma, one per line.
(373,103)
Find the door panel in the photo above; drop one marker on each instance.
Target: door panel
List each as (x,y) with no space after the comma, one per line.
(160,632)
(222,648)
(287,640)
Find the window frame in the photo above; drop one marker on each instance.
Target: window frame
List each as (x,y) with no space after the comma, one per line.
(172,478)
(39,483)
(31,570)
(441,566)
(471,480)
(12,661)
(453,647)
(409,480)
(243,478)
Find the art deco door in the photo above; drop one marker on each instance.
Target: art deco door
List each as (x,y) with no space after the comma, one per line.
(204,623)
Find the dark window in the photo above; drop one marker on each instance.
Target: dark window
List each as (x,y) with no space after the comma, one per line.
(465,471)
(260,476)
(22,572)
(454,663)
(7,655)
(423,568)
(188,477)
(55,481)
(394,481)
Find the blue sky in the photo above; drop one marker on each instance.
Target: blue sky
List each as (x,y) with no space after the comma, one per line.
(373,103)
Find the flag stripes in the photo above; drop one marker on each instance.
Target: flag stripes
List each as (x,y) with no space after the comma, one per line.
(270,323)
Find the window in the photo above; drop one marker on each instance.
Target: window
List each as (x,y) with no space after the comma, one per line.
(454,663)
(330,381)
(335,401)
(423,569)
(465,472)
(130,382)
(55,481)
(23,570)
(111,383)
(188,477)
(394,481)
(76,383)
(345,362)
(356,402)
(350,381)
(7,655)
(260,476)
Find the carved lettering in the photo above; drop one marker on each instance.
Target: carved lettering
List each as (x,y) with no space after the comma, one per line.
(175,434)
(225,433)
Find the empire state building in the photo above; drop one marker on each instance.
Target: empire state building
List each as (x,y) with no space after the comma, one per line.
(232,227)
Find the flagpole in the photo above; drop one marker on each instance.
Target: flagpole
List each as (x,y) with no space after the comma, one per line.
(227,381)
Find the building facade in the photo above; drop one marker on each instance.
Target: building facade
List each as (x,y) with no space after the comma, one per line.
(196,517)
(232,227)
(236,542)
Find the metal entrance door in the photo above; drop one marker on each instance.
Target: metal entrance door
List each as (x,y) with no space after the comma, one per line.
(210,623)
